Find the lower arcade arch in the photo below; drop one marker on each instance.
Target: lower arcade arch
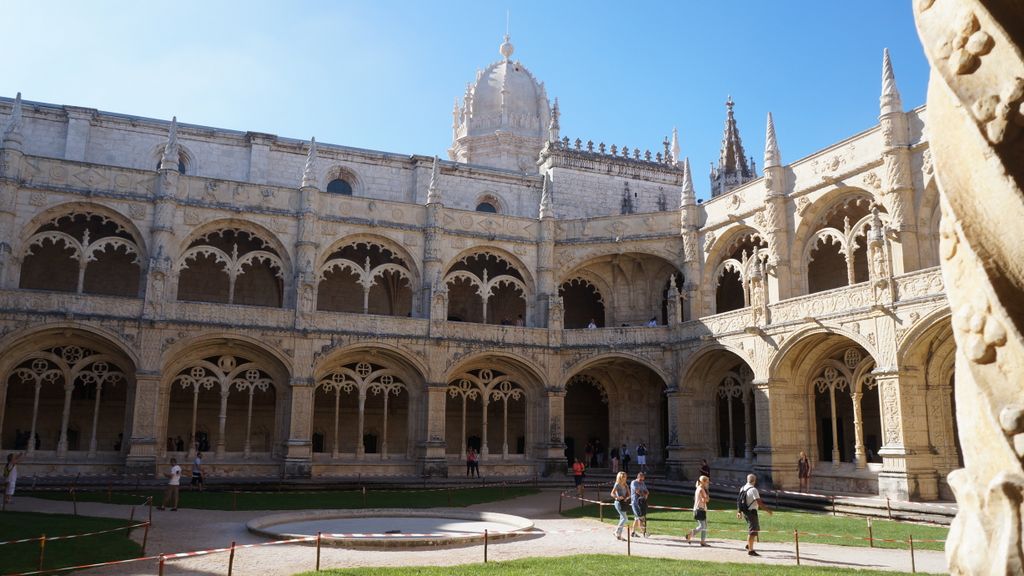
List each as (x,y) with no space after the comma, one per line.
(613,403)
(227,400)
(67,395)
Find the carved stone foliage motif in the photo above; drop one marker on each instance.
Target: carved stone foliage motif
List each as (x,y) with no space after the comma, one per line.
(974,109)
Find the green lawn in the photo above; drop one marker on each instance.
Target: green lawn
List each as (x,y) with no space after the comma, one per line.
(776,528)
(216,500)
(86,550)
(595,564)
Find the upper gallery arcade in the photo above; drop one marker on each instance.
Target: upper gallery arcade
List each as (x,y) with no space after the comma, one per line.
(313,309)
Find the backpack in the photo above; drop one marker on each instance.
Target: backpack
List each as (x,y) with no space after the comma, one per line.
(741,501)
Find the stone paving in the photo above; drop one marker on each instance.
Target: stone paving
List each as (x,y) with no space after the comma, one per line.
(188,529)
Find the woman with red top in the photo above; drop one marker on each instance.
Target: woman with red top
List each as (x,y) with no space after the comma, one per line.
(577,476)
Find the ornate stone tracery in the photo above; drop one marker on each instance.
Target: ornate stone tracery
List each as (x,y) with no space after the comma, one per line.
(236,253)
(363,378)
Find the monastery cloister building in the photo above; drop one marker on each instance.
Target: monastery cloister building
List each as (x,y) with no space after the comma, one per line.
(298,309)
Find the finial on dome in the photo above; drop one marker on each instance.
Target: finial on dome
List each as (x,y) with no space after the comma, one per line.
(506,48)
(309,172)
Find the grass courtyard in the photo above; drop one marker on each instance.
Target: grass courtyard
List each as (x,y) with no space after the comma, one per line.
(60,553)
(219,500)
(724,525)
(595,564)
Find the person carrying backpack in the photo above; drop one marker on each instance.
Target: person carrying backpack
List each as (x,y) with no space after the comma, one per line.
(748,502)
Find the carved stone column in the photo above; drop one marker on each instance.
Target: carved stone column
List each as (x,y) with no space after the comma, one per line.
(142,446)
(907,472)
(298,456)
(433,460)
(780,431)
(858,430)
(974,118)
(552,455)
(674,467)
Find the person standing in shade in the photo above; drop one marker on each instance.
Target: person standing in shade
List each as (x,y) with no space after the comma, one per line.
(641,456)
(592,325)
(803,466)
(197,471)
(10,477)
(705,470)
(472,463)
(171,495)
(615,460)
(638,494)
(748,503)
(624,457)
(620,495)
(700,510)
(578,472)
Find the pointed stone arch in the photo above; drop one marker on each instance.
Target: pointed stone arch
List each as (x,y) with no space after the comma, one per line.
(367,273)
(488,285)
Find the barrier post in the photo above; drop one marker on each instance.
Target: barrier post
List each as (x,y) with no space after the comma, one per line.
(131,516)
(913,565)
(629,540)
(364,496)
(485,546)
(833,505)
(42,550)
(318,535)
(74,500)
(231,558)
(145,538)
(150,502)
(871,536)
(600,511)
(161,567)
(796,542)
(888,508)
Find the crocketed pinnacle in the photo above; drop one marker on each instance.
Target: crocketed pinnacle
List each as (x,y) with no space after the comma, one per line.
(309,172)
(433,191)
(675,145)
(732,159)
(890,100)
(11,135)
(169,161)
(687,196)
(546,208)
(772,156)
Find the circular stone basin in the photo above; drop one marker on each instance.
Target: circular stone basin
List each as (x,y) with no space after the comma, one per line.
(385,528)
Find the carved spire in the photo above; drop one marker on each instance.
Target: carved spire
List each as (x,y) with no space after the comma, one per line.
(546,209)
(553,127)
(11,136)
(772,157)
(732,169)
(433,191)
(675,145)
(890,101)
(309,172)
(687,197)
(169,161)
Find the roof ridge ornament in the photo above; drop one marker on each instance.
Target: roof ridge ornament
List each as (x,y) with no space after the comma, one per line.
(309,172)
(433,191)
(170,159)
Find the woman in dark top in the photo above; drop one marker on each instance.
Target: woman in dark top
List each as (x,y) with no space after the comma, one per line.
(804,471)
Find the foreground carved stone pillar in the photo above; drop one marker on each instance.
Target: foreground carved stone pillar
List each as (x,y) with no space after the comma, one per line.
(433,460)
(674,467)
(975,123)
(907,472)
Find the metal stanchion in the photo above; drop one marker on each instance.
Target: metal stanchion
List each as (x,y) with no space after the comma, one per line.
(485,546)
(796,541)
(231,558)
(131,515)
(629,539)
(913,564)
(888,508)
(74,500)
(600,511)
(145,538)
(42,550)
(318,537)
(871,536)
(833,505)
(160,569)
(150,502)
(560,502)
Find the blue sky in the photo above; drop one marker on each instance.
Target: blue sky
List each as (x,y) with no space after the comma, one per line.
(383,74)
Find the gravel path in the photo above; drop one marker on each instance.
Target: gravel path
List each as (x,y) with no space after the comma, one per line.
(189,529)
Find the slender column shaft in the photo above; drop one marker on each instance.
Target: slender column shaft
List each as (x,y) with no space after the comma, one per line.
(484,450)
(192,431)
(851,276)
(835,428)
(222,422)
(732,449)
(858,430)
(65,417)
(35,417)
(384,432)
(462,451)
(95,419)
(335,449)
(248,424)
(504,435)
(748,443)
(360,449)
(366,300)
(81,276)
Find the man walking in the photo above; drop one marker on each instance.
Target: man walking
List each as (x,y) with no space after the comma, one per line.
(171,495)
(747,504)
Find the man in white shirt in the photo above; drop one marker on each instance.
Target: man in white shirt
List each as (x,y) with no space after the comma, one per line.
(749,501)
(172,486)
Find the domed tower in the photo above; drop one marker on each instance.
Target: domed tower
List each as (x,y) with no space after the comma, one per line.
(504,118)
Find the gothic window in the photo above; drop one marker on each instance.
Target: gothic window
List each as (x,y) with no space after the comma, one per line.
(357,405)
(65,398)
(733,290)
(582,303)
(847,412)
(836,253)
(85,253)
(365,278)
(340,186)
(737,428)
(489,405)
(230,394)
(231,266)
(486,288)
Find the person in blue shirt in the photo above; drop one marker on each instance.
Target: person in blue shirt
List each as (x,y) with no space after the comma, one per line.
(638,501)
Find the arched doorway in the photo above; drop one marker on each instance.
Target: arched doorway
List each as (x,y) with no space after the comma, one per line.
(586,420)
